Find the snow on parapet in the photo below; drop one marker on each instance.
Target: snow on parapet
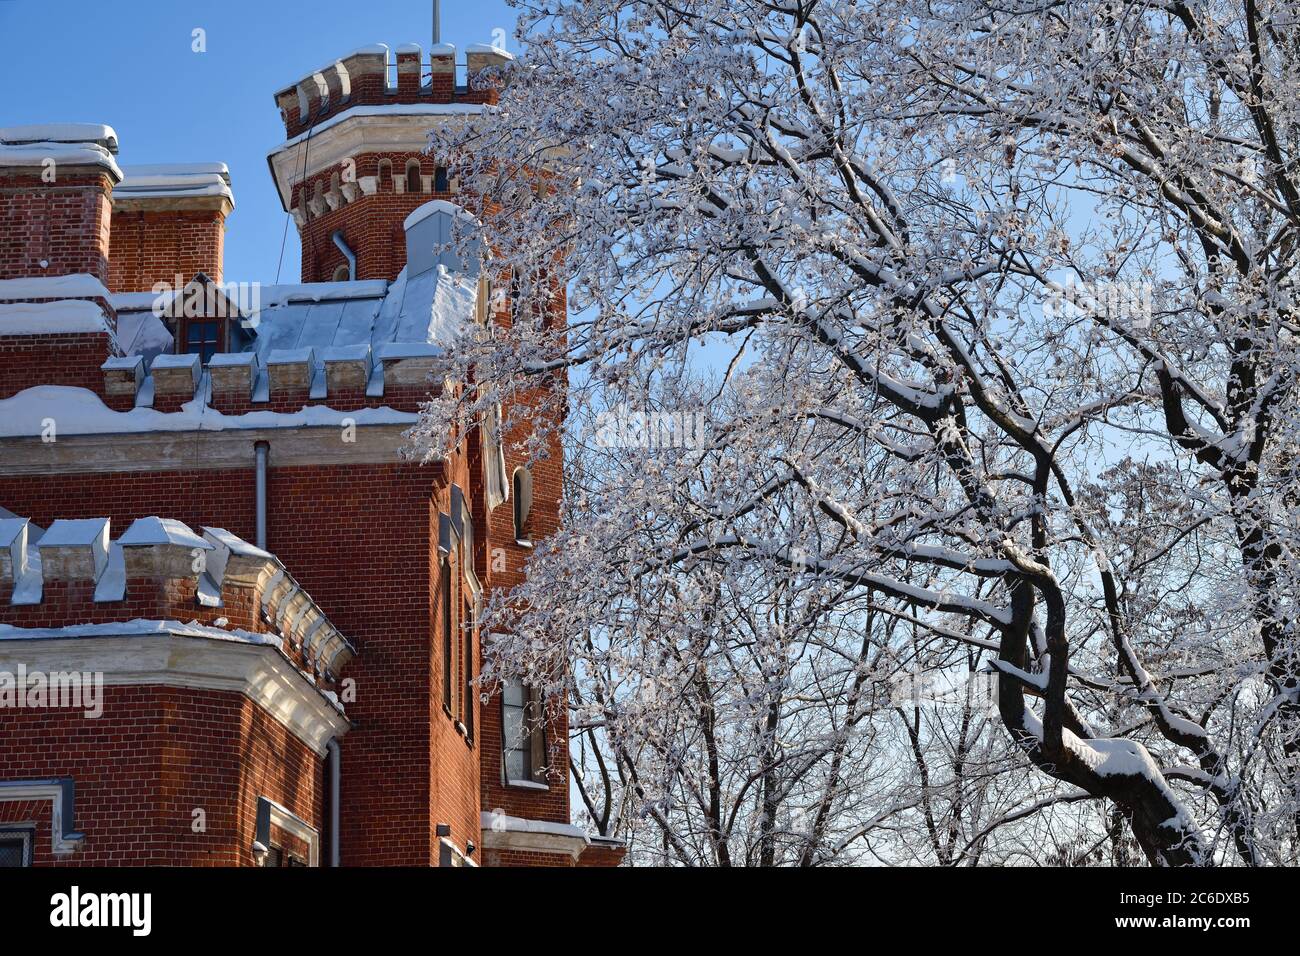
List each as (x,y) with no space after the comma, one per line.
(153,530)
(97,133)
(175,181)
(63,144)
(217,569)
(489,49)
(81,285)
(67,317)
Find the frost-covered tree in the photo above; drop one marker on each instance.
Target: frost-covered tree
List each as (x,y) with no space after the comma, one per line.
(1000,299)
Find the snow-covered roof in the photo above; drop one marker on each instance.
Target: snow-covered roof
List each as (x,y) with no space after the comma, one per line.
(143,333)
(175,181)
(429,310)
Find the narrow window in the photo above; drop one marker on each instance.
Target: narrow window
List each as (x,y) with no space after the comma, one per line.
(440,181)
(523,736)
(413,176)
(447,663)
(467,659)
(523,492)
(385,176)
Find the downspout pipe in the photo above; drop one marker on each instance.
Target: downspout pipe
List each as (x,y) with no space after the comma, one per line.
(262,450)
(335,760)
(347,253)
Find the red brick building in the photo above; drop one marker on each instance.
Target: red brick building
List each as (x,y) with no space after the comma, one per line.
(238,625)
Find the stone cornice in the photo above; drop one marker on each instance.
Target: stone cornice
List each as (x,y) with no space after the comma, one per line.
(200,450)
(258,671)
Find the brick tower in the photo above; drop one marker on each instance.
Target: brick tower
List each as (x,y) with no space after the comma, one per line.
(283,605)
(354,165)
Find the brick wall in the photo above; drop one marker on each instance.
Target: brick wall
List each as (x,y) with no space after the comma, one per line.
(141,769)
(65,224)
(150,247)
(372,225)
(360,540)
(63,359)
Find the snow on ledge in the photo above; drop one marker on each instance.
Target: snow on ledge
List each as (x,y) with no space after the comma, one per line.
(96,133)
(175,180)
(46,318)
(79,285)
(499,822)
(80,411)
(489,48)
(137,628)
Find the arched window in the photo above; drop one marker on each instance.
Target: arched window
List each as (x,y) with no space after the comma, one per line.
(413,176)
(385,176)
(441,184)
(523,492)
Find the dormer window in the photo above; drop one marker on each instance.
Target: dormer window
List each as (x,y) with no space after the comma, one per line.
(202,337)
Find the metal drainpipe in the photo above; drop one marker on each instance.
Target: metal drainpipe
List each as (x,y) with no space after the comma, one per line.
(347,253)
(261,449)
(336,775)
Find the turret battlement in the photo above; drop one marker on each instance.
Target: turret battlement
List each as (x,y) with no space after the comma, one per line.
(161,569)
(374,75)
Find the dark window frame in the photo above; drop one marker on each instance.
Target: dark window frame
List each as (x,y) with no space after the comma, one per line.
(26,837)
(205,347)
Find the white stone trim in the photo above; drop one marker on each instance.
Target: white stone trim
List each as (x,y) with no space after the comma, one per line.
(388,129)
(504,832)
(201,450)
(63,844)
(258,671)
(290,822)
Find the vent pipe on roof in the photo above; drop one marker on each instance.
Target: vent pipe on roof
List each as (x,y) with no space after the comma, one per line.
(437,22)
(347,253)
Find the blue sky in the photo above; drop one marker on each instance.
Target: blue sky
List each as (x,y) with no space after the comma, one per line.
(131,66)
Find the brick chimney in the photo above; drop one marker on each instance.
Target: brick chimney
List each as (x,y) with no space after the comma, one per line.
(56,189)
(169,220)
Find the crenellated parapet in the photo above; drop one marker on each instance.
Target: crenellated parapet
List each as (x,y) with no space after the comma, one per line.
(377,76)
(344,378)
(75,572)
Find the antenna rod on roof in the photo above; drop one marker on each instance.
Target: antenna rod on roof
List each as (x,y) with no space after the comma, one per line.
(437,24)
